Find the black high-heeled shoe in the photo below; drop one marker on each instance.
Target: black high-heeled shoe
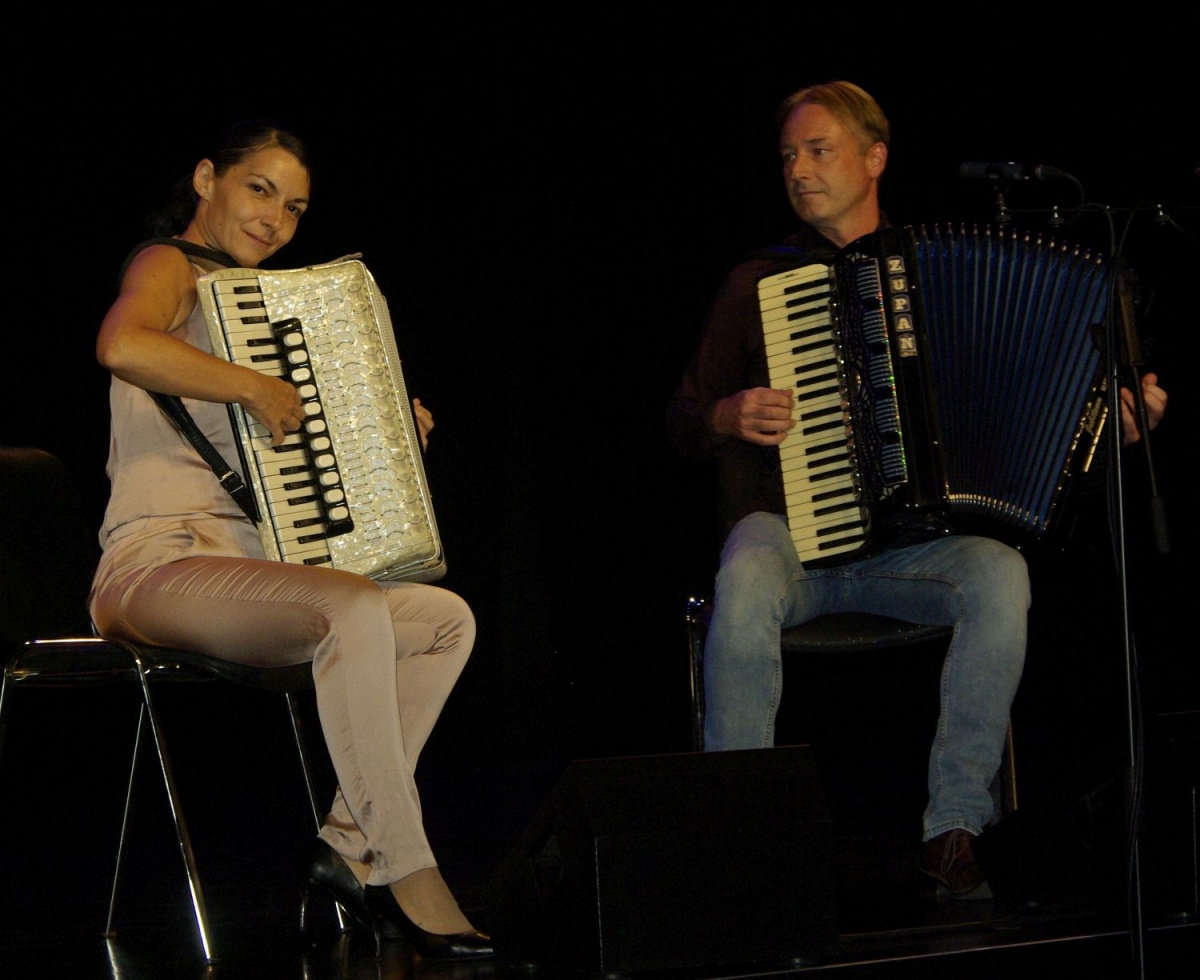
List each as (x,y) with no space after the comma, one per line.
(327,873)
(471,944)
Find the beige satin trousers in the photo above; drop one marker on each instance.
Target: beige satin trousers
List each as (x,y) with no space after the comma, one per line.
(385,657)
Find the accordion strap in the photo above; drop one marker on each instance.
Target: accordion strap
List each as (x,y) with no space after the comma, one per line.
(173,406)
(228,477)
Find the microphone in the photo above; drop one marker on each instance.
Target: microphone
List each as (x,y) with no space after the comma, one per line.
(1009,171)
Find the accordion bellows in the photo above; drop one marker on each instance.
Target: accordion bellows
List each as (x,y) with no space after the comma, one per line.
(939,372)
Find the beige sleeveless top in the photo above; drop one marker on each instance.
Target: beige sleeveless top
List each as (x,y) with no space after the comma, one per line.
(165,502)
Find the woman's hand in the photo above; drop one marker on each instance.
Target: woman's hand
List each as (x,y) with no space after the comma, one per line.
(424,419)
(275,404)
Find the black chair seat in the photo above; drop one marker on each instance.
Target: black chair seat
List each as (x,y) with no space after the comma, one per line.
(94,660)
(293,678)
(844,632)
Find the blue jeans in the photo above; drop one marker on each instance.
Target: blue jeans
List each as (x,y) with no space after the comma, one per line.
(977,585)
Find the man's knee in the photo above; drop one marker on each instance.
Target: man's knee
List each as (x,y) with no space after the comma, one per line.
(756,567)
(997,575)
(1007,570)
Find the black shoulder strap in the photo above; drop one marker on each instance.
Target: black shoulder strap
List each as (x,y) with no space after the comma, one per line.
(228,477)
(173,405)
(190,248)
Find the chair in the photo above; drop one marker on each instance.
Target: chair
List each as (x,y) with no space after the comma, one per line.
(835,633)
(46,638)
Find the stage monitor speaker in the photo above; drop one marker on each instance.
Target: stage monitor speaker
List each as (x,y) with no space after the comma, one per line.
(671,861)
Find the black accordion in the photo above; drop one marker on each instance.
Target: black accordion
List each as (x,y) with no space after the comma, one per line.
(943,377)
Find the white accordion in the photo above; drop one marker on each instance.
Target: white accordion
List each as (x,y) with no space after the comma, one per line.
(349,489)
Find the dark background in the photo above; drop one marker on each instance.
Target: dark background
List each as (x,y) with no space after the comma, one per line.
(549,208)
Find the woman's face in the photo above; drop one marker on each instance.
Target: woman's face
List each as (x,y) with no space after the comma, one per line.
(251,211)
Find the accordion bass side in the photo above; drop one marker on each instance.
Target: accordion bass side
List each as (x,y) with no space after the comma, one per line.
(348,490)
(940,376)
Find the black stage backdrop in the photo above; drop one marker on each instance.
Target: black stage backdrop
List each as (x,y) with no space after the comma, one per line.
(549,219)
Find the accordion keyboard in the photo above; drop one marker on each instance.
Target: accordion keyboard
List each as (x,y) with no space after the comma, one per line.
(824,511)
(300,477)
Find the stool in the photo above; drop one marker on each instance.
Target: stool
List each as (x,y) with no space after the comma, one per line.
(836,633)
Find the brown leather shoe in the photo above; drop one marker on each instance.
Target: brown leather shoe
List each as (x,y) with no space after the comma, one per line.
(949,860)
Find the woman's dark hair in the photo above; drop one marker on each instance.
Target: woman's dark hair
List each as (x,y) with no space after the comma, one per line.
(242,139)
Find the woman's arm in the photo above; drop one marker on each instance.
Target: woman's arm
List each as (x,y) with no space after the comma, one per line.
(158,294)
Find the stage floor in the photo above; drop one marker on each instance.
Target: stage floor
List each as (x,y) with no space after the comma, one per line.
(57,934)
(1060,893)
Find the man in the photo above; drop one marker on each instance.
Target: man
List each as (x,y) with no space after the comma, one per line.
(834,148)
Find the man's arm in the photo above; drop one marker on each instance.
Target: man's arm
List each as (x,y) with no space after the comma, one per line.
(715,402)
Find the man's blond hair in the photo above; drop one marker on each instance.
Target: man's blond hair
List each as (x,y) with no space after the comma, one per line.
(853,106)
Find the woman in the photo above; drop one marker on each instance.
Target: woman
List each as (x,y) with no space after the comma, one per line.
(182,566)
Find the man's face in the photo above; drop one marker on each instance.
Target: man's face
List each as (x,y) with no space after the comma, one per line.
(831,181)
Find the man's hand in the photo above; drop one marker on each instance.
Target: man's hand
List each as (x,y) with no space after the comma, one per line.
(759,415)
(1156,405)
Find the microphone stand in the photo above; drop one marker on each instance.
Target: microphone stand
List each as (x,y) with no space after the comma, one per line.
(1127,354)
(1003,215)
(1133,360)
(1122,351)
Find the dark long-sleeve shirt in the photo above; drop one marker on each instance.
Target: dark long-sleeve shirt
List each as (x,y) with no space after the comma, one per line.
(730,358)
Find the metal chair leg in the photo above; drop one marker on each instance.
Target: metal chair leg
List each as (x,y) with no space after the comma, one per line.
(310,785)
(1008,774)
(181,832)
(112,897)
(697,622)
(297,731)
(4,703)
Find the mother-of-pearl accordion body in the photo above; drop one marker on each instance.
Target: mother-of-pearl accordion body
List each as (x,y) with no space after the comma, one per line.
(348,490)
